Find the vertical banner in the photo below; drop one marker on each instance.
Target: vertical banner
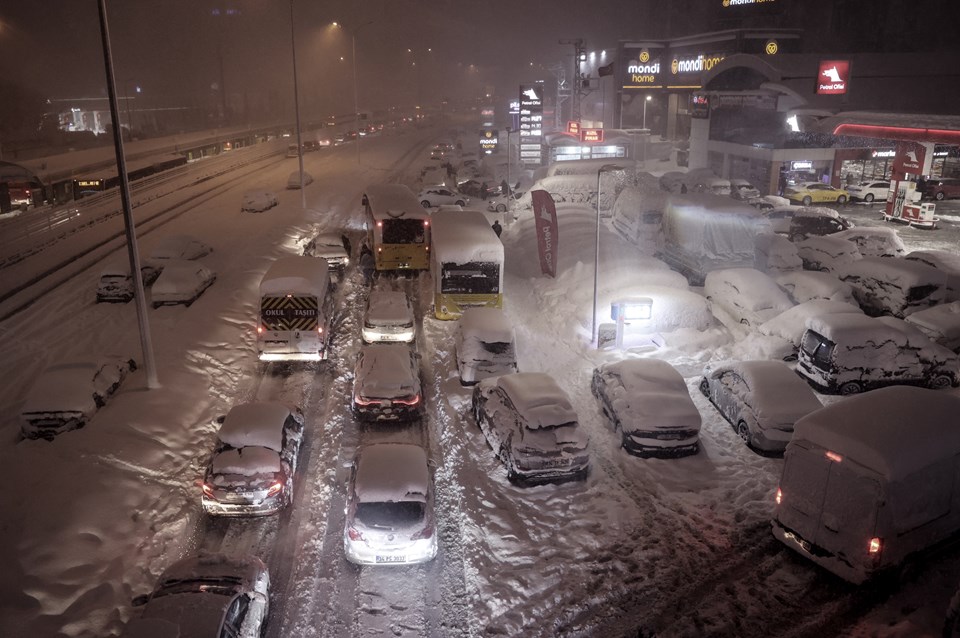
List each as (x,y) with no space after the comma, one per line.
(545,215)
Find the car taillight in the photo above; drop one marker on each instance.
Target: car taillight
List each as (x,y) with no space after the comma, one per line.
(779,496)
(426,222)
(319,330)
(414,401)
(275,489)
(874,546)
(207,489)
(361,401)
(426,532)
(354,534)
(259,330)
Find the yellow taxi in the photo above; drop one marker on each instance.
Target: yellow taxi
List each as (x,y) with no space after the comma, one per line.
(808,193)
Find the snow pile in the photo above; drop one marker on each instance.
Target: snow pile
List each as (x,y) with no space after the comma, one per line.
(898,287)
(807,285)
(827,253)
(775,254)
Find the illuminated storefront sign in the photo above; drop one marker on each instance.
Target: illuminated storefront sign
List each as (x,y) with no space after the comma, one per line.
(489,139)
(663,69)
(832,77)
(591,135)
(700,106)
(801,165)
(531,124)
(573,128)
(771,47)
(877,154)
(643,71)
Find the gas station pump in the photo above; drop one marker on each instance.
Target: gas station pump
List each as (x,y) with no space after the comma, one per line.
(903,203)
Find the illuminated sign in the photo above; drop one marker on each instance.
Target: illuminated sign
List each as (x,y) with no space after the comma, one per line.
(700,106)
(531,123)
(489,141)
(832,77)
(883,154)
(801,165)
(591,135)
(573,127)
(695,64)
(643,72)
(909,158)
(740,3)
(771,47)
(515,107)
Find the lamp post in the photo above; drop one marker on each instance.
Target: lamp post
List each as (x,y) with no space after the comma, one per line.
(509,193)
(596,262)
(647,99)
(353,55)
(296,107)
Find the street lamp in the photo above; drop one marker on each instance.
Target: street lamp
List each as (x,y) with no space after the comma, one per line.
(356,103)
(648,98)
(296,107)
(509,193)
(596,262)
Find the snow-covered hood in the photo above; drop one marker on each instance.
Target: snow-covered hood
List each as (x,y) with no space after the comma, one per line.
(63,388)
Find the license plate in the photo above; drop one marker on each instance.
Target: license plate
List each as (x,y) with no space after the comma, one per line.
(391,559)
(556,463)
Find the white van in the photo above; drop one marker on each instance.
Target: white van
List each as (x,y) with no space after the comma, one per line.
(486,345)
(851,353)
(870,481)
(295,310)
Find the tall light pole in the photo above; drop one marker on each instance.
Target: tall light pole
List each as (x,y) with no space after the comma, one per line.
(509,193)
(296,107)
(647,99)
(353,55)
(596,261)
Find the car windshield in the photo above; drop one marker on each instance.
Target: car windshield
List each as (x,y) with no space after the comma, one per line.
(223,586)
(390,515)
(817,347)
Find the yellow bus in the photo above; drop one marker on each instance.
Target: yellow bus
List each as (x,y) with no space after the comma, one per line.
(398,228)
(466,263)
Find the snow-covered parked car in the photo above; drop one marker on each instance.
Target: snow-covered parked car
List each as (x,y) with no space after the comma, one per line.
(531,427)
(850,353)
(743,189)
(485,345)
(827,254)
(806,285)
(761,400)
(293,181)
(649,406)
(869,191)
(66,395)
(746,295)
(211,595)
(257,201)
(432,197)
(893,286)
(386,383)
(500,203)
(388,317)
(179,247)
(332,246)
(251,470)
(801,222)
(116,285)
(181,282)
(775,254)
(390,516)
(790,325)
(941,323)
(944,260)
(875,241)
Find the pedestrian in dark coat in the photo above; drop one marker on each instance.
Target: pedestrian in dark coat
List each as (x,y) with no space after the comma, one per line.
(484,191)
(497,228)
(368,264)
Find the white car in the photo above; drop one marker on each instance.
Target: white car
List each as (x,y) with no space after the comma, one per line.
(827,253)
(761,400)
(500,203)
(257,201)
(180,247)
(743,189)
(390,506)
(388,318)
(432,197)
(251,470)
(874,242)
(294,180)
(181,282)
(647,402)
(869,191)
(210,595)
(386,383)
(532,428)
(334,247)
(747,295)
(66,395)
(788,327)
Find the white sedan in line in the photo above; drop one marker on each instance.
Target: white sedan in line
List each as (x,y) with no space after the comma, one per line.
(432,197)
(869,191)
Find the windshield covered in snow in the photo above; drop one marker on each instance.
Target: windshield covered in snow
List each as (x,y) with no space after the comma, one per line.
(391,515)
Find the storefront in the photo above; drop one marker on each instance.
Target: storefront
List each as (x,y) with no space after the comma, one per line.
(863,164)
(563,147)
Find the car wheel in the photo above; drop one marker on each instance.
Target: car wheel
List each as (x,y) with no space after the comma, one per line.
(807,200)
(868,198)
(459,202)
(744,432)
(842,199)
(849,388)
(941,381)
(939,196)
(425,204)
(705,387)
(501,208)
(744,322)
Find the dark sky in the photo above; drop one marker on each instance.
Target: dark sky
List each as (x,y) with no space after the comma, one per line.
(173,48)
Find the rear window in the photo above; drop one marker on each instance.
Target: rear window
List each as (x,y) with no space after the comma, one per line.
(390,515)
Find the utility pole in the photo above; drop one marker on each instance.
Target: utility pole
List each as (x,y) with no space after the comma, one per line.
(579,57)
(563,94)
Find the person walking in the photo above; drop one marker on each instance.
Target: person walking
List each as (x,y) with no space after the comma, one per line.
(497,228)
(368,265)
(484,191)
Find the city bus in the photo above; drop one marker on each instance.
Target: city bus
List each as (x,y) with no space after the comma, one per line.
(398,228)
(466,263)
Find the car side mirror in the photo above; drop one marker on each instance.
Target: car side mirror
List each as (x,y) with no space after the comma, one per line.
(140,600)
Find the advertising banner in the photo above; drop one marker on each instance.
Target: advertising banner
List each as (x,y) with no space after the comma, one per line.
(545,215)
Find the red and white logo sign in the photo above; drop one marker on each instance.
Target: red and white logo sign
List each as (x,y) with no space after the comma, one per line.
(545,216)
(909,158)
(833,77)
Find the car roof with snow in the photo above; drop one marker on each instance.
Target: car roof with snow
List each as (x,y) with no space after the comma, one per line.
(463,237)
(255,424)
(295,275)
(389,306)
(851,327)
(815,282)
(942,259)
(538,399)
(791,323)
(943,319)
(63,387)
(392,201)
(648,392)
(749,282)
(392,472)
(180,247)
(489,325)
(384,370)
(180,275)
(895,270)
(828,245)
(775,387)
(869,429)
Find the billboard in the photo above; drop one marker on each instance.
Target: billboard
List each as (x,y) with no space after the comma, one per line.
(833,77)
(531,124)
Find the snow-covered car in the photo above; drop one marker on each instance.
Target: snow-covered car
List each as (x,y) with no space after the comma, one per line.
(945,260)
(743,189)
(332,246)
(775,254)
(827,254)
(66,395)
(648,404)
(386,383)
(893,286)
(485,345)
(436,196)
(500,203)
(790,325)
(941,323)
(815,193)
(761,400)
(747,295)
(532,428)
(180,247)
(874,242)
(388,317)
(211,595)
(807,285)
(800,222)
(471,188)
(181,282)
(116,285)
(390,516)
(293,181)
(869,191)
(257,201)
(251,470)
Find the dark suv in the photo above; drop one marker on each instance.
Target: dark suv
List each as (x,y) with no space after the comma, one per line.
(941,188)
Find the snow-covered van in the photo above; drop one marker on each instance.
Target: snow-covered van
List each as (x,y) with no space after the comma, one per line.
(893,286)
(295,310)
(869,482)
(485,345)
(704,232)
(851,353)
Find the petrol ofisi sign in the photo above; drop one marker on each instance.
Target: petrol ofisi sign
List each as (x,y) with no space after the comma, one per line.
(833,77)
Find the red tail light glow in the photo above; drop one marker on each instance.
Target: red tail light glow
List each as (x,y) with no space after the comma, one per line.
(379,224)
(361,401)
(875,546)
(779,496)
(319,330)
(414,401)
(354,534)
(275,489)
(833,456)
(259,330)
(207,489)
(426,222)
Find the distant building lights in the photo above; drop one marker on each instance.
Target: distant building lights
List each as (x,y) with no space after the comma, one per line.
(793,124)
